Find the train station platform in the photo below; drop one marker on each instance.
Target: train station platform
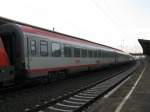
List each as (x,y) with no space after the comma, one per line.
(133,95)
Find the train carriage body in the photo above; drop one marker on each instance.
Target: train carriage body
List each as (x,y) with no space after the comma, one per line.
(35,52)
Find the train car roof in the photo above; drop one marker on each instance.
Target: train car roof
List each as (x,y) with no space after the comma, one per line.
(27,27)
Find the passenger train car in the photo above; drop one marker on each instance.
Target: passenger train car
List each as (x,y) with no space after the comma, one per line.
(28,52)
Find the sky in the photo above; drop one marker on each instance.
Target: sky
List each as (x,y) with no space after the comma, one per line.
(117,23)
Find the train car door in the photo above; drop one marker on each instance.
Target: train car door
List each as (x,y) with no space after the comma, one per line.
(31,51)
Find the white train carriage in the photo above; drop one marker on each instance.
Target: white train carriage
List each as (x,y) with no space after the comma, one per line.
(40,52)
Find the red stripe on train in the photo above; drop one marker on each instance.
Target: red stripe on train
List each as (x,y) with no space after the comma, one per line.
(56,36)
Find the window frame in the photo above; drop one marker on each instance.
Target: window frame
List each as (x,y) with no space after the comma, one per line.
(84,52)
(95,53)
(77,54)
(99,53)
(60,48)
(90,53)
(33,52)
(45,44)
(66,54)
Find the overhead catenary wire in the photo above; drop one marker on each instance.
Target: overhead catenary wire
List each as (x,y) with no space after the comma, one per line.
(111,18)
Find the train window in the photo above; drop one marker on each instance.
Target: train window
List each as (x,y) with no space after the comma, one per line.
(95,53)
(56,50)
(110,54)
(90,53)
(33,47)
(106,54)
(84,52)
(43,48)
(99,53)
(67,51)
(76,52)
(102,53)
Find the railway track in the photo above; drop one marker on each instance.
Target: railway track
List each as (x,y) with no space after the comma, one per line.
(19,86)
(80,99)
(16,87)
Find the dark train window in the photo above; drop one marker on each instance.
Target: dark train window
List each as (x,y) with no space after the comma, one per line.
(33,47)
(76,52)
(56,50)
(109,54)
(67,51)
(90,53)
(99,53)
(84,52)
(44,48)
(104,54)
(95,53)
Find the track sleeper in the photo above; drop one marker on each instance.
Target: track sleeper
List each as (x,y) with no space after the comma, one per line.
(58,109)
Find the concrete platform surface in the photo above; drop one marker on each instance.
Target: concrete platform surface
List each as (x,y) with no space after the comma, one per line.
(132,96)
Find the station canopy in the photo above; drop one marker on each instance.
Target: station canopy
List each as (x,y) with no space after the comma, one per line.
(145,46)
